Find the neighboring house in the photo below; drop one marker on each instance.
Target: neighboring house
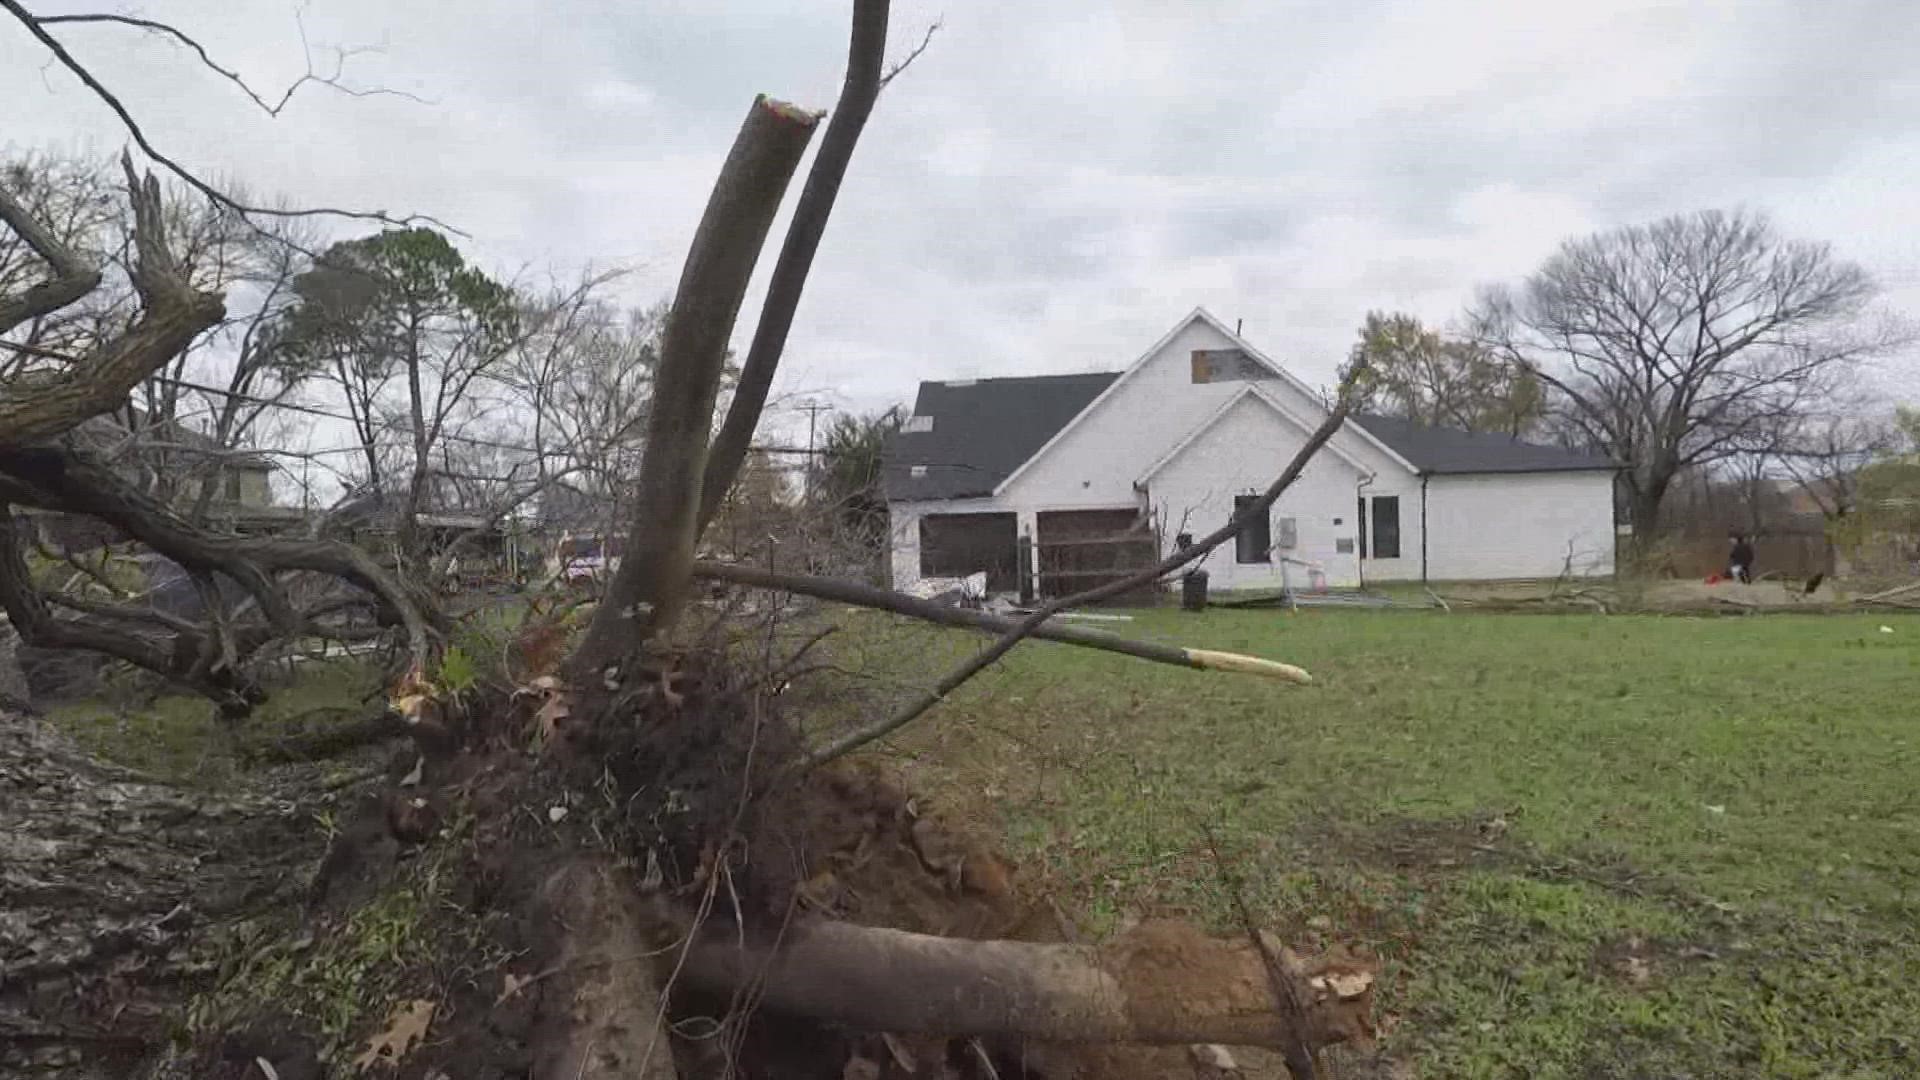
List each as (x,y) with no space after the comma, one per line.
(243,482)
(191,459)
(1070,479)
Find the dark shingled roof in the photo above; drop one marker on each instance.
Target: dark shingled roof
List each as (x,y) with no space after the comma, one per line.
(983,429)
(1450,450)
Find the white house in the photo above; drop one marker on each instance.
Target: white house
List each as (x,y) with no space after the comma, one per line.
(1066,478)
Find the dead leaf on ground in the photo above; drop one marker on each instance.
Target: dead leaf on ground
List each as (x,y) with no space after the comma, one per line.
(406,1026)
(859,1068)
(552,716)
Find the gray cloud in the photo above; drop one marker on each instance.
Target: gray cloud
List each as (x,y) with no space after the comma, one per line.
(1050,186)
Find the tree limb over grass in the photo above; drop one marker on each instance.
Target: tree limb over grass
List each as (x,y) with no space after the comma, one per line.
(1026,627)
(867,596)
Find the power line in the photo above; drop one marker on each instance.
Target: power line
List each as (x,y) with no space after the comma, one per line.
(311,410)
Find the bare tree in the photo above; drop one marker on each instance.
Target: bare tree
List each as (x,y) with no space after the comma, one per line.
(1824,453)
(416,341)
(1669,345)
(582,382)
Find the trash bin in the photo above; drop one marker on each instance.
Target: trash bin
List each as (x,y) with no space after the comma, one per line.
(1193,590)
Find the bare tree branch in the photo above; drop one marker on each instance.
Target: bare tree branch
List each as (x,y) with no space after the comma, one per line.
(71,280)
(866,52)
(274,108)
(34,25)
(894,69)
(172,314)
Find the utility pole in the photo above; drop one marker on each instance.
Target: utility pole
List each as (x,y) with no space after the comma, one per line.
(813,409)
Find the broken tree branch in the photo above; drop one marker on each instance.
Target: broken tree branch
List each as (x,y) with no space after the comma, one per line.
(867,596)
(58,478)
(172,314)
(865,54)
(1026,627)
(653,581)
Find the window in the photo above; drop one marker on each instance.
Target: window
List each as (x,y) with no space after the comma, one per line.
(1386,526)
(1227,365)
(1255,539)
(233,485)
(1289,534)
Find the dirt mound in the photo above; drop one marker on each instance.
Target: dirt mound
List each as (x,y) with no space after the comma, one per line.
(431,947)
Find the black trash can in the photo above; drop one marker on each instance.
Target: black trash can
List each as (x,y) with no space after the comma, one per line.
(1193,590)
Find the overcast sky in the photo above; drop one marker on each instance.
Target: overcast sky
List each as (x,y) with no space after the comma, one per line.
(1052,185)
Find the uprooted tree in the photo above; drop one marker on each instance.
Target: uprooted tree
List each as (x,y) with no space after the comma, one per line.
(644,891)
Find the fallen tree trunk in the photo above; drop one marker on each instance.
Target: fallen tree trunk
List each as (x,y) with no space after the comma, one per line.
(1165,983)
(110,884)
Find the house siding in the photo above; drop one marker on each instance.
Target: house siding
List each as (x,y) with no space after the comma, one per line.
(1519,525)
(1240,454)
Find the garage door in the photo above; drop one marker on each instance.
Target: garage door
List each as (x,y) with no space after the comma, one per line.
(955,545)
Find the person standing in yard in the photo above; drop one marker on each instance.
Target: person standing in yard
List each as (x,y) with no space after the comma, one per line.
(1740,561)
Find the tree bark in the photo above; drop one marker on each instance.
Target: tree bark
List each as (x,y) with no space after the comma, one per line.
(109,885)
(1164,984)
(653,580)
(600,1015)
(866,54)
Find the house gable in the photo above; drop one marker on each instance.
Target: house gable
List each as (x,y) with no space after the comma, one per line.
(1161,398)
(1260,396)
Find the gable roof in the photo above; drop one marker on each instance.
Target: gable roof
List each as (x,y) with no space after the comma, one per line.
(1438,450)
(1198,314)
(983,430)
(1250,390)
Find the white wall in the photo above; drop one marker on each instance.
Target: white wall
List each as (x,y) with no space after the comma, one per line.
(1518,525)
(1240,455)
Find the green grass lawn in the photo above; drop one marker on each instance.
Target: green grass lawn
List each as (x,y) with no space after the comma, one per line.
(1585,846)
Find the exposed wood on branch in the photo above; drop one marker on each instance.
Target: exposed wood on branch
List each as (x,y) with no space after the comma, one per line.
(652,583)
